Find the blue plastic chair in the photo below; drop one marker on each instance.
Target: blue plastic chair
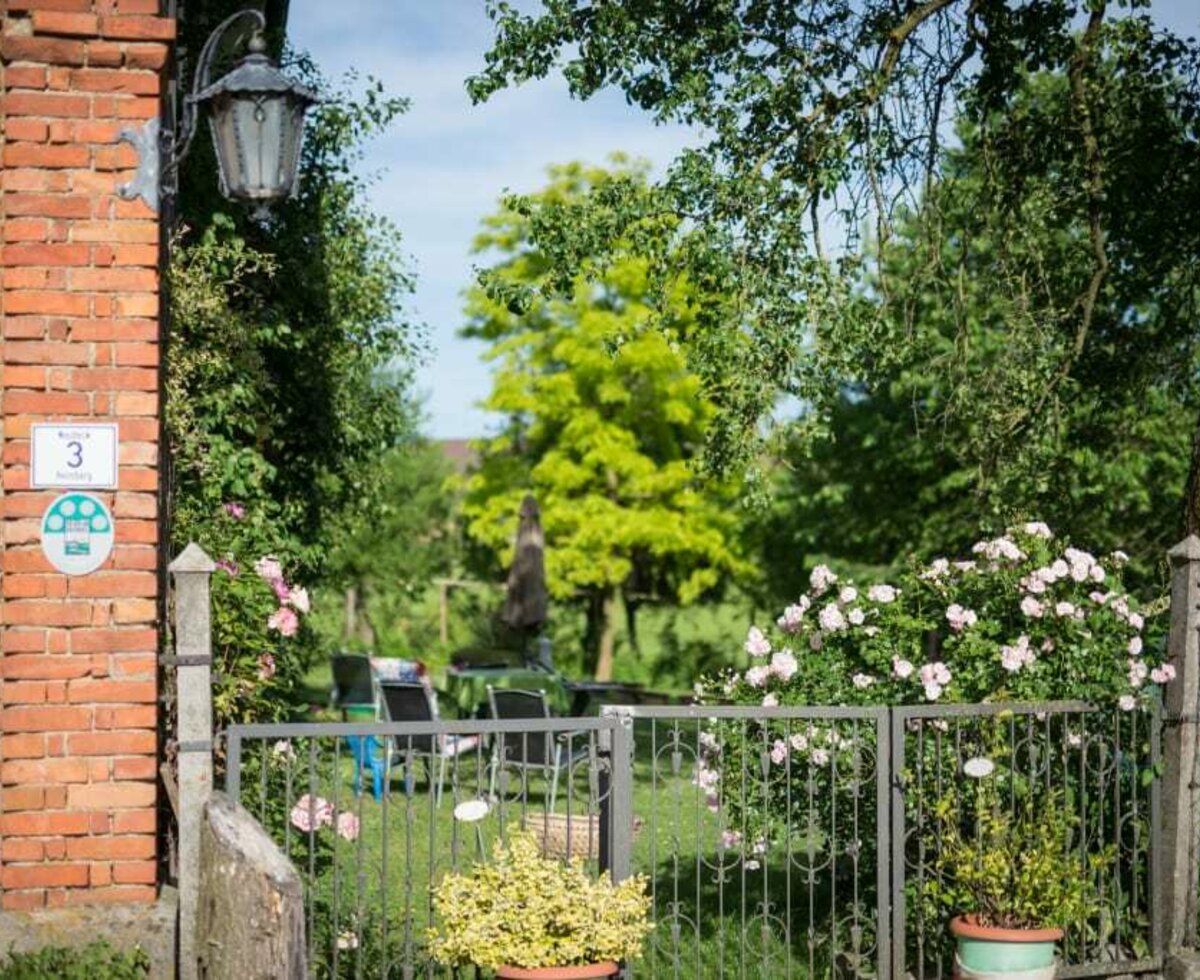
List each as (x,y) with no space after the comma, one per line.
(368,754)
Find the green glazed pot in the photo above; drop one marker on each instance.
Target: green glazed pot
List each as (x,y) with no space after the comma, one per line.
(986,951)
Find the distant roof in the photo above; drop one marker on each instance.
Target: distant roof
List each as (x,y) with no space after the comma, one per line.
(459,453)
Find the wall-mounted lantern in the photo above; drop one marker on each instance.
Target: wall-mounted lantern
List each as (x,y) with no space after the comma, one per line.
(257,122)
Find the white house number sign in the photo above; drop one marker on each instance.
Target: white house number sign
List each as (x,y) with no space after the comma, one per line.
(69,454)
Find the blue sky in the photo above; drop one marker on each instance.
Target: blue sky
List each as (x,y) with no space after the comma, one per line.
(446,162)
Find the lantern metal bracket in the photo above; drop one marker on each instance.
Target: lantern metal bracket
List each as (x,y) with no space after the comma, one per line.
(161,150)
(145,183)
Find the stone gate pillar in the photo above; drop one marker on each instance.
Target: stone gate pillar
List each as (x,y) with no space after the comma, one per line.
(80,306)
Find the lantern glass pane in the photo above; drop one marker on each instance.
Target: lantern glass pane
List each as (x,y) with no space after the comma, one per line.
(252,135)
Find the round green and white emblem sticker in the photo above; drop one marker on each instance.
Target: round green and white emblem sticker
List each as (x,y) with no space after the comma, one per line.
(77,533)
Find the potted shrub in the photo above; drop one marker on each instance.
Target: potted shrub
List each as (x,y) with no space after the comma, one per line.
(1009,871)
(530,917)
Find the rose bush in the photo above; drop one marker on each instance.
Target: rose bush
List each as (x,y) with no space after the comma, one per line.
(1026,617)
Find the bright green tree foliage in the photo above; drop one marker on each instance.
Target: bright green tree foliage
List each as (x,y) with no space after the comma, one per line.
(603,420)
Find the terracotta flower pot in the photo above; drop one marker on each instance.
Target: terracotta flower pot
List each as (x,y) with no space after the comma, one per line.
(989,951)
(605,969)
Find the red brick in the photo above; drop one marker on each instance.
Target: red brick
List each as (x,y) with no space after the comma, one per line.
(133,28)
(21,798)
(44,719)
(41,824)
(35,612)
(104,54)
(27,130)
(45,254)
(135,821)
(25,76)
(112,743)
(110,848)
(111,796)
(53,51)
(36,155)
(48,206)
(135,872)
(144,767)
(141,716)
(45,403)
(41,667)
(108,80)
(87,690)
(114,231)
(56,771)
(44,876)
(24,692)
(152,56)
(107,585)
(115,280)
(41,352)
(23,377)
(23,746)
(47,104)
(72,24)
(46,302)
(112,640)
(26,229)
(21,849)
(25,901)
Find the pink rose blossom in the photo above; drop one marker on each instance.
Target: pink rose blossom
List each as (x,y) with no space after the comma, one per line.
(757,676)
(960,618)
(821,579)
(268,568)
(1037,529)
(882,593)
(235,510)
(282,592)
(793,616)
(848,594)
(299,599)
(862,681)
(831,619)
(770,701)
(229,567)
(347,826)
(1126,702)
(779,751)
(901,669)
(1032,608)
(784,665)
(311,813)
(730,838)
(819,757)
(1164,674)
(856,617)
(1136,621)
(1064,609)
(757,645)
(1135,646)
(285,621)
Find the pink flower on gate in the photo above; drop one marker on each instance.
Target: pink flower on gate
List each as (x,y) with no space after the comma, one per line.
(235,510)
(730,838)
(266,666)
(822,578)
(831,619)
(347,826)
(862,681)
(882,593)
(1126,702)
(285,621)
(280,587)
(793,616)
(757,676)
(901,669)
(779,751)
(784,665)
(311,813)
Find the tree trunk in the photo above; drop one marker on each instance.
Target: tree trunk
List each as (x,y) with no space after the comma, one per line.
(1191,493)
(631,612)
(251,922)
(607,634)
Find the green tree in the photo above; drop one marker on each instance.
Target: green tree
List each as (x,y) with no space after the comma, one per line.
(934,380)
(603,420)
(823,124)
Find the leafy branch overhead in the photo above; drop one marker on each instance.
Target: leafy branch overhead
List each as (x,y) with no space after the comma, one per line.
(823,126)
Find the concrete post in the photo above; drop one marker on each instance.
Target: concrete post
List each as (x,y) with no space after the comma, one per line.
(192,572)
(1181,818)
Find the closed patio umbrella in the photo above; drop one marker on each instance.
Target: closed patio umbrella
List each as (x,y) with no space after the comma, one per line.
(525,600)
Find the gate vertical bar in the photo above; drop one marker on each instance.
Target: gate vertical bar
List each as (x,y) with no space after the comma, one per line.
(192,572)
(883,856)
(1156,833)
(1181,823)
(895,776)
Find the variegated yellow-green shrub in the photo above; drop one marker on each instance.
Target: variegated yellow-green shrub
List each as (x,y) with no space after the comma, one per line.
(523,909)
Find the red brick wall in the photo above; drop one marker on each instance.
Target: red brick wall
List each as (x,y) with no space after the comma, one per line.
(79,301)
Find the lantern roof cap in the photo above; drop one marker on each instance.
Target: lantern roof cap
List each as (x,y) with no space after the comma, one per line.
(255,73)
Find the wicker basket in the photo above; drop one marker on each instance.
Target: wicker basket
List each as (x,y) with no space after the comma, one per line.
(551,831)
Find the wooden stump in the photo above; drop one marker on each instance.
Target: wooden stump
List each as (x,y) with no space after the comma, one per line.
(251,915)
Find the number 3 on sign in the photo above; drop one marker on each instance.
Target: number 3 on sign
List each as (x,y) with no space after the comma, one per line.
(76,454)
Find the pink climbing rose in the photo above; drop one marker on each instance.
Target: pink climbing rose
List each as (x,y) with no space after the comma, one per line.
(285,621)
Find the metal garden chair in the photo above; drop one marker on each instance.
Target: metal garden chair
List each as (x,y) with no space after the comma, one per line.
(539,752)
